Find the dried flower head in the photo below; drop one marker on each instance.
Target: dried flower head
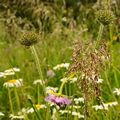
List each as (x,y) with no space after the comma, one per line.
(29,38)
(87,64)
(105,16)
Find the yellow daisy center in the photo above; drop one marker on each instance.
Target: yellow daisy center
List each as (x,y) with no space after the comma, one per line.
(12,81)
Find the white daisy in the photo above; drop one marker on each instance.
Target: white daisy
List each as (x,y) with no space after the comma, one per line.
(13,83)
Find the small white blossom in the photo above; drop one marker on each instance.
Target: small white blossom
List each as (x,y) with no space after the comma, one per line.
(41,82)
(12,117)
(64,111)
(2,114)
(79,100)
(99,81)
(117,91)
(71,80)
(62,65)
(1,74)
(13,83)
(105,106)
(75,106)
(99,107)
(77,114)
(54,114)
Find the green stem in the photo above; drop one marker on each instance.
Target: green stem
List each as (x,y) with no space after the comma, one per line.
(37,61)
(99,34)
(38,93)
(39,69)
(17,98)
(36,113)
(61,87)
(108,83)
(64,82)
(10,101)
(112,55)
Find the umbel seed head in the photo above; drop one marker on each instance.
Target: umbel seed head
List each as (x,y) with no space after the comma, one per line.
(29,38)
(105,16)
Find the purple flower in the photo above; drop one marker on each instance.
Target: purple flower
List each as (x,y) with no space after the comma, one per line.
(59,100)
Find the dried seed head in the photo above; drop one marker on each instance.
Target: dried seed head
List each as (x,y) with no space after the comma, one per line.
(105,16)
(29,38)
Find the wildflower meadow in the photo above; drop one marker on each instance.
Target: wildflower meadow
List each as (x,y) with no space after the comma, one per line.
(59,59)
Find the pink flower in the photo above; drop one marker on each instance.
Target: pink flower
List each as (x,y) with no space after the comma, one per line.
(59,100)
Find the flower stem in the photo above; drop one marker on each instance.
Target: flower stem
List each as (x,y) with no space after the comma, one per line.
(37,61)
(36,113)
(38,92)
(63,83)
(10,101)
(99,34)
(39,69)
(17,98)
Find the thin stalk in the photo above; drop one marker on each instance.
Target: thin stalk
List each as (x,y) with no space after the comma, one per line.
(38,92)
(26,117)
(61,87)
(10,101)
(63,83)
(108,83)
(38,68)
(37,61)
(17,98)
(36,113)
(112,55)
(99,34)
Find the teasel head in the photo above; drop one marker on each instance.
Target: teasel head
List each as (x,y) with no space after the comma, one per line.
(105,17)
(29,38)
